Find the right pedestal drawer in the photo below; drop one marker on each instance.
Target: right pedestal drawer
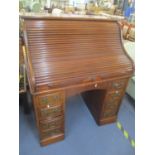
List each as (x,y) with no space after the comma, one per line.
(112,103)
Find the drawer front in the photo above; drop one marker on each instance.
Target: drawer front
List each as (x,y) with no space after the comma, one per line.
(112,103)
(118,84)
(113,95)
(51,99)
(110,113)
(52,124)
(50,133)
(50,112)
(111,108)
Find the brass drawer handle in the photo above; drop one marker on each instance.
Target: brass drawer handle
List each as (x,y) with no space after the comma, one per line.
(117,85)
(116,94)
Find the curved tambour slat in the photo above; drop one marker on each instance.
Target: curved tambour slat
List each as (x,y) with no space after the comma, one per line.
(64,52)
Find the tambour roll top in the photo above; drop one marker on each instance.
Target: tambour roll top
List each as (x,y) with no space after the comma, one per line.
(66,51)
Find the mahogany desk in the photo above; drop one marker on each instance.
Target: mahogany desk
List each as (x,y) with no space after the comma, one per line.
(66,56)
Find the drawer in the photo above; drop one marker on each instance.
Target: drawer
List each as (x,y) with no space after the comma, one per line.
(50,112)
(52,132)
(118,84)
(51,99)
(52,124)
(110,113)
(112,103)
(113,95)
(113,99)
(111,106)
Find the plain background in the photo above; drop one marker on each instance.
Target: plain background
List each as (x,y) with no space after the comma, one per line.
(145,77)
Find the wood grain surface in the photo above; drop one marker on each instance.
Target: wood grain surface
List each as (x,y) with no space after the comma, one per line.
(65,52)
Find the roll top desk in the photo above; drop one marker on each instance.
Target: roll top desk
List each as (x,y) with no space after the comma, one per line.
(66,56)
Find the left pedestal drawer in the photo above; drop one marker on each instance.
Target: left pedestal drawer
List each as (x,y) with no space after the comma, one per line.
(58,122)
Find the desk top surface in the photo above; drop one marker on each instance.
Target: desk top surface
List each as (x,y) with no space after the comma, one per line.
(70,16)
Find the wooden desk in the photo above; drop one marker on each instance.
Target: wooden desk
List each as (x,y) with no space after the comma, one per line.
(66,56)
